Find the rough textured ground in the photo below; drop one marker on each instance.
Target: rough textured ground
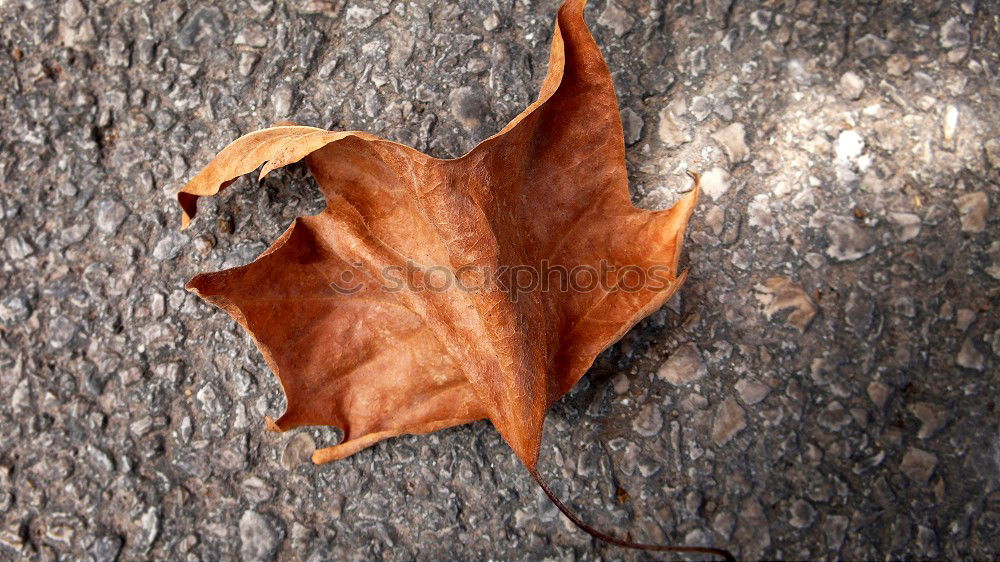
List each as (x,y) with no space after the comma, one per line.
(823,387)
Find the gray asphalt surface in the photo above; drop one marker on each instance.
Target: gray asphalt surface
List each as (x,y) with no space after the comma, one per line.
(824,385)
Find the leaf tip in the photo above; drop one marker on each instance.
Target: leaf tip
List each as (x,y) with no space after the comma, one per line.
(188,203)
(329,454)
(192,285)
(691,198)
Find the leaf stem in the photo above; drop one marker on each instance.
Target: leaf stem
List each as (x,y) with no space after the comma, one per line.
(724,554)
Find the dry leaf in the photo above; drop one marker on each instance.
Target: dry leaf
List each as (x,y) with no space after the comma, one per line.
(549,192)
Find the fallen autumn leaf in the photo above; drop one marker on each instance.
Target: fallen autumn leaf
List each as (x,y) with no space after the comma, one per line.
(548,193)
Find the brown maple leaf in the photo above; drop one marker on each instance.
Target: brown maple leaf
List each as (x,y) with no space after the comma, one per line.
(548,193)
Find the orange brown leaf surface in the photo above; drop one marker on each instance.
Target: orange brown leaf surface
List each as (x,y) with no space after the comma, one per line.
(549,191)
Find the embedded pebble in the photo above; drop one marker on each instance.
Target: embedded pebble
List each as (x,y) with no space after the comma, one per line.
(993,264)
(964,318)
(360,17)
(849,241)
(897,64)
(751,391)
(671,130)
(203,244)
(907,225)
(753,528)
(732,139)
(620,383)
(632,125)
(849,146)
(835,416)
(73,12)
(761,19)
(730,419)
(802,514)
(723,524)
(106,549)
(298,450)
(870,45)
(251,36)
(74,233)
(851,85)
(918,465)
(973,208)
(694,402)
(779,295)
(859,312)
(259,538)
(700,108)
(149,529)
(169,247)
(492,22)
(834,530)
(970,357)
(209,399)
(954,33)
(932,418)
(18,248)
(256,489)
(469,106)
(110,215)
(927,540)
(685,365)
(715,219)
(992,149)
(715,183)
(282,100)
(950,124)
(724,110)
(649,422)
(878,392)
(616,18)
(247,63)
